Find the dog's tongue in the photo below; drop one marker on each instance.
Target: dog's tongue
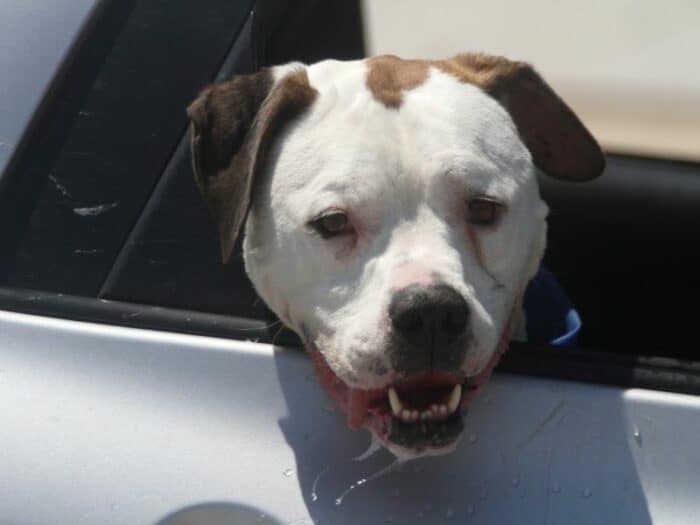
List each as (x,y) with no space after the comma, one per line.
(358,402)
(354,401)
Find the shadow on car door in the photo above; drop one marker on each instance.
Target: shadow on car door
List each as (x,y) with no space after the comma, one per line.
(533,451)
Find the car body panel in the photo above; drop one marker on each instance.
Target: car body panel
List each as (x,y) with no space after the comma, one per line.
(106,424)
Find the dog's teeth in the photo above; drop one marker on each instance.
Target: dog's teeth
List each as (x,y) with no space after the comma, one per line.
(455,397)
(435,411)
(395,402)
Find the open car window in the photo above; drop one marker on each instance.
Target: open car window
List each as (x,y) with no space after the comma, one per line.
(104,221)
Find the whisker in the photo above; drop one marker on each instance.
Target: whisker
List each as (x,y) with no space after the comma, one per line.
(278,333)
(265,327)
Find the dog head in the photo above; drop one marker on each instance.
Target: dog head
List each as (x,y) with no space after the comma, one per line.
(392,219)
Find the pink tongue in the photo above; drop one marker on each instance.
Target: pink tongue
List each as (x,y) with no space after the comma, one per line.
(358,401)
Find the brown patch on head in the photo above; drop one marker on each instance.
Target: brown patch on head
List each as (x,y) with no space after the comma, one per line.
(559,143)
(390,76)
(479,69)
(233,125)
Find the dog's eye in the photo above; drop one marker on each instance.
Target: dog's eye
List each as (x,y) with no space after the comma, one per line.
(482,211)
(332,224)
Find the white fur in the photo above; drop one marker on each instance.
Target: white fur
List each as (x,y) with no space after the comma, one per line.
(404,177)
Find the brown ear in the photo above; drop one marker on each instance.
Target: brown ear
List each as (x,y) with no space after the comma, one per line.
(559,143)
(232,125)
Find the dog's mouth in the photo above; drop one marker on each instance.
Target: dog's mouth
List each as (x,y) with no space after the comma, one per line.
(417,414)
(425,412)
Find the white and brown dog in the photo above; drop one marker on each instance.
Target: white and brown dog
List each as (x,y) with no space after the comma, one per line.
(392,219)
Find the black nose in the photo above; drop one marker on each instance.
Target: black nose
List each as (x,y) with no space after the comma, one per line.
(430,319)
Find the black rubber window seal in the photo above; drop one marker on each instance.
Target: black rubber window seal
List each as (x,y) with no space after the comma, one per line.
(654,373)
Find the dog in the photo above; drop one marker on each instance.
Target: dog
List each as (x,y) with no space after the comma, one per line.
(392,219)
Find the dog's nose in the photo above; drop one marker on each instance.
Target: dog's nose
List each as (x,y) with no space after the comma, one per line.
(430,319)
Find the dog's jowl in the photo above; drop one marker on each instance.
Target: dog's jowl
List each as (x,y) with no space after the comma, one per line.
(392,219)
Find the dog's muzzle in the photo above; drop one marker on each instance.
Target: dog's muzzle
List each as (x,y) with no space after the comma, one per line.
(421,409)
(428,342)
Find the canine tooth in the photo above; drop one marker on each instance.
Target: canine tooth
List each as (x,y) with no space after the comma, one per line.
(455,396)
(395,402)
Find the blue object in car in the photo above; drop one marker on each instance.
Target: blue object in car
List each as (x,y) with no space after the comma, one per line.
(550,316)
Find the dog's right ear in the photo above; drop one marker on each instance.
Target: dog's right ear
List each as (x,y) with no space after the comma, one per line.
(232,126)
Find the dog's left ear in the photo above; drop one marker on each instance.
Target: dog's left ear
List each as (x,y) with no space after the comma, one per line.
(232,126)
(559,143)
